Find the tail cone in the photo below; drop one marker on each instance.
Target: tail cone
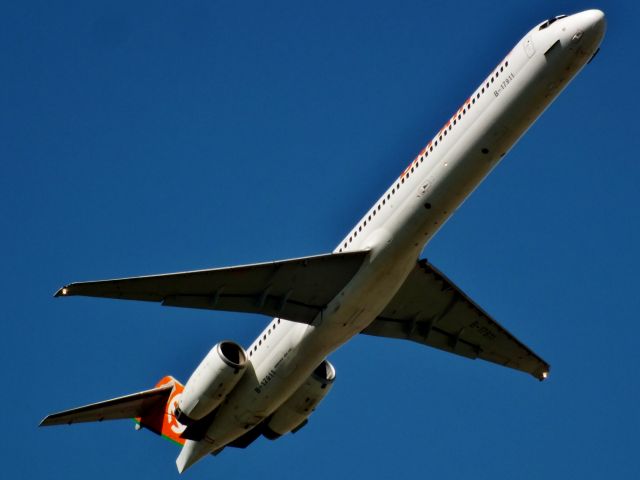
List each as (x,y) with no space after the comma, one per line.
(191,452)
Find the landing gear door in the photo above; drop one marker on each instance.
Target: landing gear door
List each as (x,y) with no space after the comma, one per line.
(528,47)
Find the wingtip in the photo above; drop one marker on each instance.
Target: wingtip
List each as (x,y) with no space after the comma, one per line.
(62,292)
(43,422)
(543,374)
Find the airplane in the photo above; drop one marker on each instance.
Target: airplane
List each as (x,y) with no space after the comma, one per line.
(372,283)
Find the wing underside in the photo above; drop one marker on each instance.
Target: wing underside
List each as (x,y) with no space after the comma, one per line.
(428,308)
(431,310)
(294,289)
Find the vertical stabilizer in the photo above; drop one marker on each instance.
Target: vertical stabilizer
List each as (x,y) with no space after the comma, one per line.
(162,420)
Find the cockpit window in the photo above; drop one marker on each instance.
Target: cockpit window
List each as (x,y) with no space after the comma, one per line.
(546,23)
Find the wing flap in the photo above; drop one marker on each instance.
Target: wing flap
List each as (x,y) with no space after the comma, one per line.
(432,310)
(129,406)
(295,289)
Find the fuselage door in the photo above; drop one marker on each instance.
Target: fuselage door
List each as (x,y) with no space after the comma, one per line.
(528,47)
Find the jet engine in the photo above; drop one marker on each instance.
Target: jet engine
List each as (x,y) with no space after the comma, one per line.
(293,413)
(211,382)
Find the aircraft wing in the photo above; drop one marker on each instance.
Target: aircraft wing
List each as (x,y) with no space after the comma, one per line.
(293,289)
(129,406)
(431,310)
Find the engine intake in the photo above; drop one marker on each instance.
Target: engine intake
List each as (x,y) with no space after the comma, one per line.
(211,382)
(293,413)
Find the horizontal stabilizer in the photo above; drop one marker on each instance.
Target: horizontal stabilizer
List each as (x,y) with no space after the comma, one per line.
(129,406)
(431,310)
(294,289)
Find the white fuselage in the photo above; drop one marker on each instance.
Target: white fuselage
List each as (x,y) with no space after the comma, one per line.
(405,218)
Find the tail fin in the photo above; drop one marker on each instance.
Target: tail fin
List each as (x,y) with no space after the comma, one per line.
(161,419)
(152,409)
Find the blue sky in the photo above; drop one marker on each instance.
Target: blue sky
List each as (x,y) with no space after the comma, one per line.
(167,136)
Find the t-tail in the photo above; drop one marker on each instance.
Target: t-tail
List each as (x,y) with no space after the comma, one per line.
(151,409)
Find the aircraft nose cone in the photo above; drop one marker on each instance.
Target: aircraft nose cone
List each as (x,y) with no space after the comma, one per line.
(593,21)
(596,20)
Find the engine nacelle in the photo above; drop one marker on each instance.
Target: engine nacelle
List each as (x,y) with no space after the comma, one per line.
(293,413)
(211,382)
